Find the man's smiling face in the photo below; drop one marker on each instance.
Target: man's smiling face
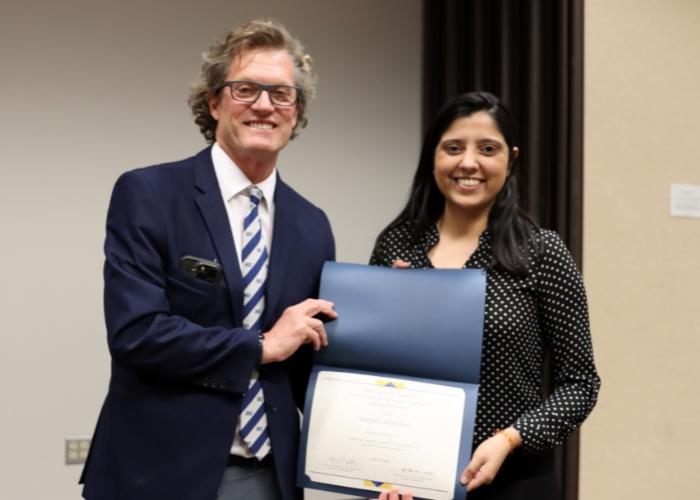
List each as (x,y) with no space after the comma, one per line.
(254,133)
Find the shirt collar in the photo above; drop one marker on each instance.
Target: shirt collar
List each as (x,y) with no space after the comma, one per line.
(232,180)
(480,258)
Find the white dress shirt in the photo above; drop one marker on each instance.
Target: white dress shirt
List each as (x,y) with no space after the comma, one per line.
(233,184)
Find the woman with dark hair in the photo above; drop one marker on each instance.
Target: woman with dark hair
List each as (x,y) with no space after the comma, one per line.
(463,212)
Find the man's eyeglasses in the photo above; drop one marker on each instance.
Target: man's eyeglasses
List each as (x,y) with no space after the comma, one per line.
(245,91)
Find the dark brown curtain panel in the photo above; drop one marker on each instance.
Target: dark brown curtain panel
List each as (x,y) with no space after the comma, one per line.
(529,53)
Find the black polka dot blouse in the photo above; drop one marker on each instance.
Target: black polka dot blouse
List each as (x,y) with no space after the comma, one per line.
(525,317)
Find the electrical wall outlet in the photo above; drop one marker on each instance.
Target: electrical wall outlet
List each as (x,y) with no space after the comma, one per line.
(77,450)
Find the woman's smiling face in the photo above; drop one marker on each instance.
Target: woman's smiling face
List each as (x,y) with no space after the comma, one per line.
(471,164)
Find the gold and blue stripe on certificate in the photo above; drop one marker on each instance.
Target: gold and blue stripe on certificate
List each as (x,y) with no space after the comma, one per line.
(392,384)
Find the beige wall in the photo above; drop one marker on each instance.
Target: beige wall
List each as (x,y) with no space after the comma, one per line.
(91,88)
(642,267)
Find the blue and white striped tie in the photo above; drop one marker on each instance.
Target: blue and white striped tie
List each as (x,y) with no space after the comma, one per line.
(253,420)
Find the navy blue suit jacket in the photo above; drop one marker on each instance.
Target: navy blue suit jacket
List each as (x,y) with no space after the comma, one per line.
(180,358)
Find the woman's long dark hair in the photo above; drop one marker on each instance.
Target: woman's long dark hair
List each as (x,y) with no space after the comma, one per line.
(513,231)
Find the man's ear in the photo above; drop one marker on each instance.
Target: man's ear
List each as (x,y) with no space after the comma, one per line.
(296,115)
(213,100)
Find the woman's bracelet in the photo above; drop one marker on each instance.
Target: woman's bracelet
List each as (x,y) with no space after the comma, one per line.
(509,438)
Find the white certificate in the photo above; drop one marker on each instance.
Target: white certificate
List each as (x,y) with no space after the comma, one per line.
(374,433)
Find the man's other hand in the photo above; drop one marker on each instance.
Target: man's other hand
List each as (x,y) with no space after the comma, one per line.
(297,326)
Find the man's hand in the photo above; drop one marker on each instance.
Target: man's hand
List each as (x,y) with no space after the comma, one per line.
(297,326)
(401,264)
(488,458)
(394,495)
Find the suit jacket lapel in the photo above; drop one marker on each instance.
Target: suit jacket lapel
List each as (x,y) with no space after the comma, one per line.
(212,208)
(283,232)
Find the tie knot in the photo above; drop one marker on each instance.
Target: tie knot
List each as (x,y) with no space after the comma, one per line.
(255,194)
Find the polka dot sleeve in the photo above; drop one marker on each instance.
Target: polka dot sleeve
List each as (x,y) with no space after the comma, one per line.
(563,316)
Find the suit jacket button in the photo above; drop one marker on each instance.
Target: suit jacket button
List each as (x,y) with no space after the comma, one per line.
(272,408)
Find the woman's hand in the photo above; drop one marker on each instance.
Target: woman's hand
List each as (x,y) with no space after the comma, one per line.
(401,264)
(488,458)
(394,495)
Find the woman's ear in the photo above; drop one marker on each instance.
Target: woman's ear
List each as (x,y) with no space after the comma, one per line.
(514,153)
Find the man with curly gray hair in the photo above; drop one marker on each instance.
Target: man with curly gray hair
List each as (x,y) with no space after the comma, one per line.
(254,35)
(212,264)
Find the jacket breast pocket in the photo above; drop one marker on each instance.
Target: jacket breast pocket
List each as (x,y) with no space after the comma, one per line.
(199,301)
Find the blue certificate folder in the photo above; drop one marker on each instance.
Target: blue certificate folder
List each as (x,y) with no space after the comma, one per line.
(418,324)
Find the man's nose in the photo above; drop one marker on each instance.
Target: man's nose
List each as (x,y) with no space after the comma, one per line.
(263,102)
